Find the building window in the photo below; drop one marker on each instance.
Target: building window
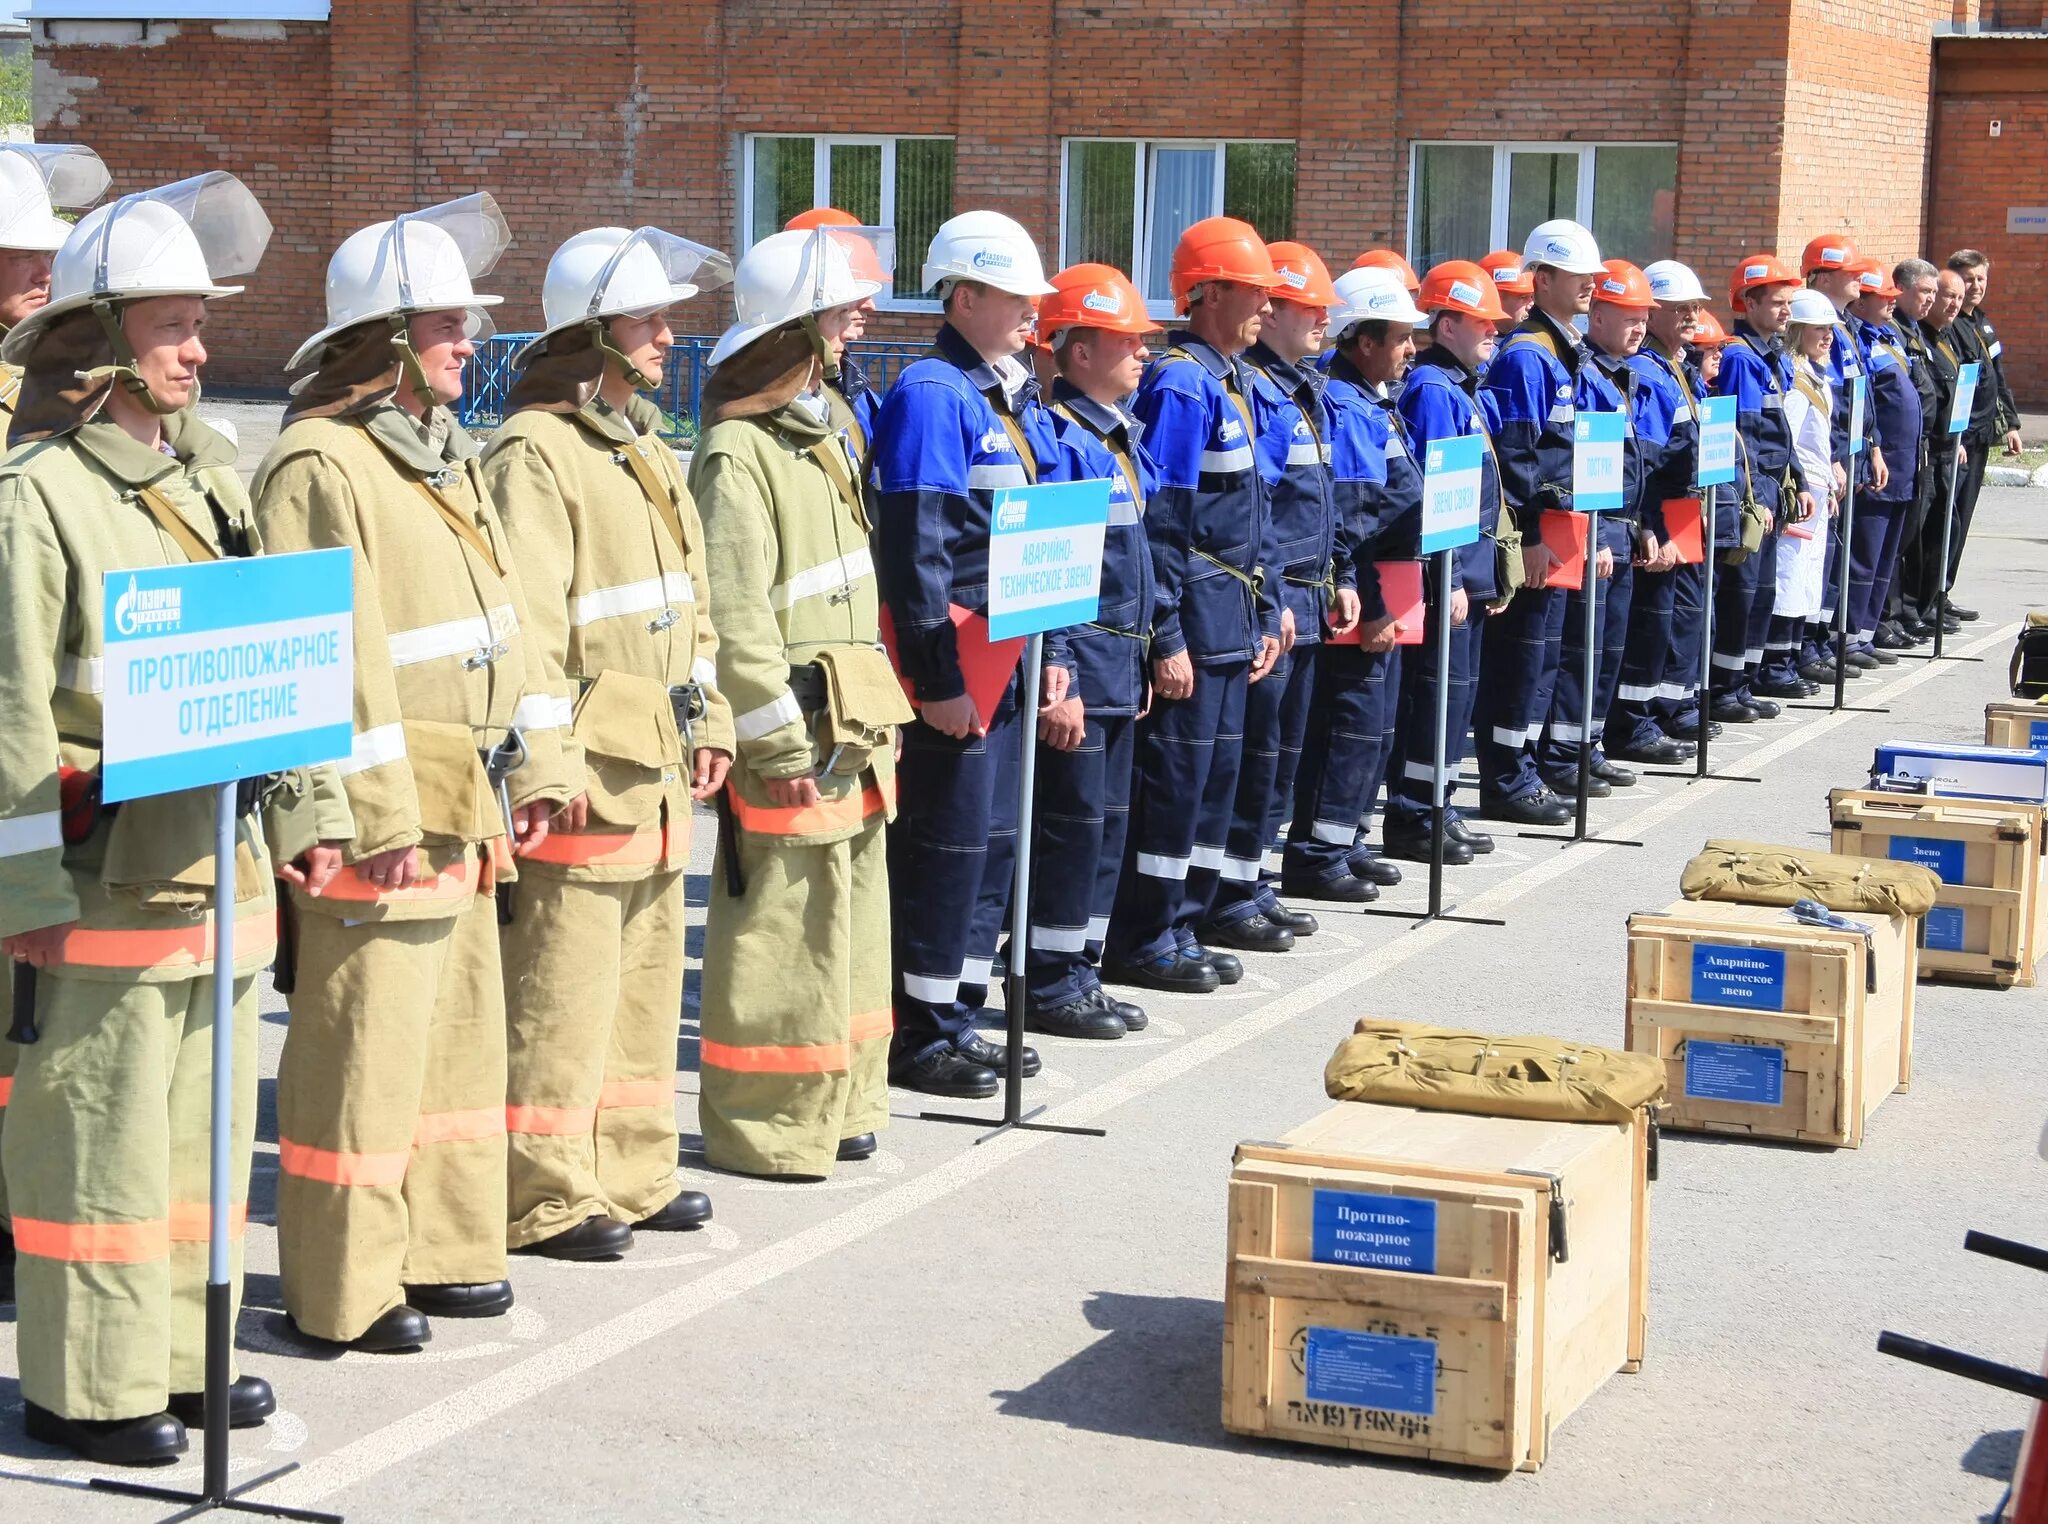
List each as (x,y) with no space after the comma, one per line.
(1465,199)
(1125,202)
(900,183)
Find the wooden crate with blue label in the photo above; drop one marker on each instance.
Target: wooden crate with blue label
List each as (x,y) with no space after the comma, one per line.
(2008,722)
(1773,1022)
(1986,924)
(1433,1286)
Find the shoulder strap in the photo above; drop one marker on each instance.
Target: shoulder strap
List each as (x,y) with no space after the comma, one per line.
(1123,460)
(1244,413)
(1541,337)
(1011,427)
(834,462)
(656,491)
(464,528)
(173,524)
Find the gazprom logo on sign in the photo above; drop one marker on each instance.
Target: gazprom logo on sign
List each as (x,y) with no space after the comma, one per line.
(158,610)
(1465,291)
(1582,430)
(1435,461)
(1100,301)
(991,259)
(1011,515)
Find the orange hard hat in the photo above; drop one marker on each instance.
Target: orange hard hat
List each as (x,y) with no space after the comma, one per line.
(1459,285)
(1707,332)
(1509,273)
(820,217)
(1303,276)
(1872,279)
(1754,271)
(1387,259)
(1220,248)
(1093,296)
(1830,251)
(861,253)
(1624,286)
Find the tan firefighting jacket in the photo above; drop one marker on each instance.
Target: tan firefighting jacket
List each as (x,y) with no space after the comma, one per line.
(610,554)
(444,667)
(139,880)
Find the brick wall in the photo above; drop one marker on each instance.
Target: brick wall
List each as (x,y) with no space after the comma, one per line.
(629,111)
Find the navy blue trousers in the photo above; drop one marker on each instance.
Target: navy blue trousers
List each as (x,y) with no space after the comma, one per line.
(1612,597)
(1082,811)
(1649,671)
(1514,701)
(1275,718)
(1412,757)
(1343,757)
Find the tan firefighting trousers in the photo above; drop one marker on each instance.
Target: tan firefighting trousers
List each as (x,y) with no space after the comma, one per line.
(106,1158)
(796,1015)
(391,1116)
(593,998)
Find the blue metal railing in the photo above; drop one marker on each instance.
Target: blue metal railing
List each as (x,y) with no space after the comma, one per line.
(487,379)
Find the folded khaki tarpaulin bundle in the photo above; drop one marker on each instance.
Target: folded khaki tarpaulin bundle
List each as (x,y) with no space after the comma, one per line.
(1758,873)
(1545,1079)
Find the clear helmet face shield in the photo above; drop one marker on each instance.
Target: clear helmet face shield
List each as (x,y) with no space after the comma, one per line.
(37,178)
(651,269)
(226,222)
(426,247)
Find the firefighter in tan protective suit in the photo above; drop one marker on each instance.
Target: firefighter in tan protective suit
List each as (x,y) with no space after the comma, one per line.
(35,178)
(796,1013)
(391,1089)
(611,555)
(106,1149)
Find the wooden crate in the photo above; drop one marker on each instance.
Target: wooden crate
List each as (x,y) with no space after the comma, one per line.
(1532,1288)
(2008,722)
(1828,1036)
(1987,927)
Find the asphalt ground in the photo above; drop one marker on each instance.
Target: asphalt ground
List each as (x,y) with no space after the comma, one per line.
(1032,1327)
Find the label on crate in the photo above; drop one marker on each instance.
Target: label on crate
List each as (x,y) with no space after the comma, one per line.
(1379,1232)
(1734,1071)
(1363,1370)
(1944,857)
(1944,925)
(1750,977)
(2037,734)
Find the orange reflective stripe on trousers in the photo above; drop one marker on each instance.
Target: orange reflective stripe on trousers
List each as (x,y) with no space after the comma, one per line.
(123,1243)
(6,1089)
(185,946)
(338,1167)
(797,1058)
(804,819)
(458,882)
(601,849)
(577,1121)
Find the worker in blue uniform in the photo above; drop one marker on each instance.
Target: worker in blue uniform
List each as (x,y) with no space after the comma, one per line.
(1378,491)
(1678,708)
(1897,381)
(1757,373)
(1216,622)
(1535,385)
(1094,325)
(1310,577)
(1442,399)
(959,426)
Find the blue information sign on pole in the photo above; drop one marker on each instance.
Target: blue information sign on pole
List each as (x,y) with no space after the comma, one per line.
(1598,443)
(1452,480)
(1045,557)
(1717,441)
(222,670)
(1965,397)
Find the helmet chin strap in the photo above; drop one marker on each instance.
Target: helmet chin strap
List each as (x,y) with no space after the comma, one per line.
(409,361)
(124,367)
(601,338)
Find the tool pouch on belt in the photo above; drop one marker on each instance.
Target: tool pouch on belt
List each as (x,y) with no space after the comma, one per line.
(864,704)
(455,798)
(1752,528)
(1757,873)
(2030,657)
(159,853)
(1403,1063)
(1508,571)
(287,812)
(633,753)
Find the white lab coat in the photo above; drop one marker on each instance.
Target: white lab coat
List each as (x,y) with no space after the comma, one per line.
(1802,548)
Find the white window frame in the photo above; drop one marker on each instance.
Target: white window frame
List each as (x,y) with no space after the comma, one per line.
(1160,306)
(1503,153)
(822,145)
(174,10)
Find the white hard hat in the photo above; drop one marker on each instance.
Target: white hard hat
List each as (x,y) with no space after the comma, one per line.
(35,178)
(611,272)
(1811,307)
(986,247)
(791,275)
(1372,294)
(1672,282)
(176,240)
(420,261)
(1563,245)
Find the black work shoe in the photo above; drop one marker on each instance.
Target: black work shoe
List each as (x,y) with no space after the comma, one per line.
(1169,971)
(1300,922)
(1541,808)
(1890,637)
(1763,708)
(1880,655)
(480,1299)
(1132,1016)
(1784,687)
(1567,786)
(860,1146)
(690,1209)
(596,1237)
(1613,773)
(1080,1017)
(1341,888)
(1228,969)
(1733,711)
(1957,611)
(1865,659)
(1412,846)
(6,1266)
(147,1441)
(1822,673)
(1253,934)
(402,1328)
(976,1049)
(1661,752)
(250,1401)
(1373,868)
(1689,730)
(944,1072)
(1460,830)
(1917,629)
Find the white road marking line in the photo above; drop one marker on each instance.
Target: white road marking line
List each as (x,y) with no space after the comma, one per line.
(400,1440)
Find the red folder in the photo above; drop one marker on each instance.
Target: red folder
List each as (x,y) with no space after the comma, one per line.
(1564,536)
(1682,530)
(1401,592)
(986,667)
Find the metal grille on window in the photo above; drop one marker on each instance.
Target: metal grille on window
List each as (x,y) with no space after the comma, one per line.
(924,199)
(1102,189)
(1258,187)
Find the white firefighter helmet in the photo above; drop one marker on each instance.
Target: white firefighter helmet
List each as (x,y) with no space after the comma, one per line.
(793,275)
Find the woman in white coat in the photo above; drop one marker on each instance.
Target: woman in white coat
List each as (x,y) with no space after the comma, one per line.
(1802,552)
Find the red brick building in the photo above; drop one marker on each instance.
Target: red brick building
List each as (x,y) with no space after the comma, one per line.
(1700,128)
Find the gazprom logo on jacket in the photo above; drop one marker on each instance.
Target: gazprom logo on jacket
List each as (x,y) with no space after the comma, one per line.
(160,608)
(991,259)
(1231,429)
(1102,301)
(1465,291)
(996,442)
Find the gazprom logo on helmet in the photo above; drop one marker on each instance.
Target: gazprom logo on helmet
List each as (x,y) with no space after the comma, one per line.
(1558,247)
(1505,274)
(991,259)
(1379,301)
(1833,256)
(1755,272)
(1102,301)
(1613,287)
(1464,291)
(139,609)
(1294,278)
